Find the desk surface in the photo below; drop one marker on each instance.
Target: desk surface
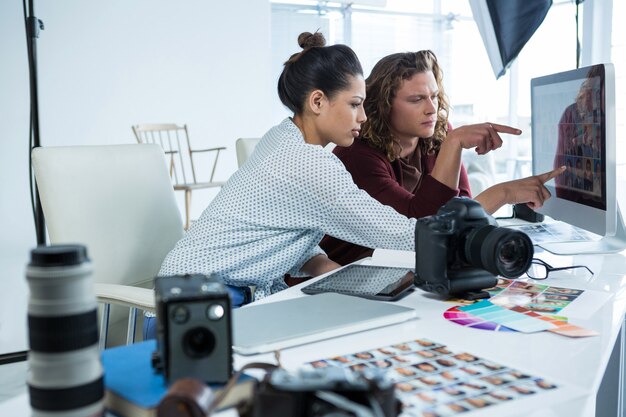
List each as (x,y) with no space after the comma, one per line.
(577,365)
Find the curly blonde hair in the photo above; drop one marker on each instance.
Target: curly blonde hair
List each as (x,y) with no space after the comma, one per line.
(381,87)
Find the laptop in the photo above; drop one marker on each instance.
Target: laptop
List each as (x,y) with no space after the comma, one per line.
(283,324)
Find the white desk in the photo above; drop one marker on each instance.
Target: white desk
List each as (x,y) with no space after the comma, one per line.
(586,365)
(579,364)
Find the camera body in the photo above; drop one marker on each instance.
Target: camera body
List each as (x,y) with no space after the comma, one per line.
(460,250)
(194,330)
(323,392)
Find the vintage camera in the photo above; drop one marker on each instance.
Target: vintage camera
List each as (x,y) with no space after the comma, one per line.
(460,250)
(194,334)
(332,391)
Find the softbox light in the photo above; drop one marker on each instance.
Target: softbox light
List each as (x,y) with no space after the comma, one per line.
(506,26)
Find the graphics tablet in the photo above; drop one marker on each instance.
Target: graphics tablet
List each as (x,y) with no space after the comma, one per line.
(266,327)
(366,281)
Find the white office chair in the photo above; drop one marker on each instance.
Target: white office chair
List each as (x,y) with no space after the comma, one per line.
(244,148)
(117,200)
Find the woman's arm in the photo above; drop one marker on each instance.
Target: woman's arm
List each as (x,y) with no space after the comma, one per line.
(318,265)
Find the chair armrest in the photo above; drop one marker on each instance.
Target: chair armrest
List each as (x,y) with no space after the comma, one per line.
(125,295)
(221,148)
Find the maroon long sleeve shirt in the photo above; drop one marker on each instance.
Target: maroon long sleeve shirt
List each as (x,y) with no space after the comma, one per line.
(384,181)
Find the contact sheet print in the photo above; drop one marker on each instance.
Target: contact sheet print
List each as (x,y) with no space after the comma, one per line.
(432,380)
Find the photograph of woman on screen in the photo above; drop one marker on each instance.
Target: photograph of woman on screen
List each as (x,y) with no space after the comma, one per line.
(597,177)
(580,137)
(268,220)
(588,176)
(409,157)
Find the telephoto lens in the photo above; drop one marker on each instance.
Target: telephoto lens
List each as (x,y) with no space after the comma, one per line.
(65,372)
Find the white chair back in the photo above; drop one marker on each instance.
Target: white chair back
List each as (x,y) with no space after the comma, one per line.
(117,200)
(244,148)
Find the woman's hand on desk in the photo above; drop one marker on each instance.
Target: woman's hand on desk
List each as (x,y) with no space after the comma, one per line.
(529,190)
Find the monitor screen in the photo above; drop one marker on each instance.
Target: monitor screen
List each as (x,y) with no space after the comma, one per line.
(573,125)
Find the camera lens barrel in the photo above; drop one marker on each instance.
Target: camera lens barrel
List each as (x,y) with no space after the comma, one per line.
(65,377)
(499,250)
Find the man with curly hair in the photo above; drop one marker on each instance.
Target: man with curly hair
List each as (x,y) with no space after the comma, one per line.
(409,158)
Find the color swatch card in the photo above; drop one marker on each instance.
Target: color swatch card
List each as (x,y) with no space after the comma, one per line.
(512,319)
(562,326)
(466,317)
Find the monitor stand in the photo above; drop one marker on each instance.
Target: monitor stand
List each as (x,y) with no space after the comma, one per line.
(607,244)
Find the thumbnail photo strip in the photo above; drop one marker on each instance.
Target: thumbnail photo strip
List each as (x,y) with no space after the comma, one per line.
(433,381)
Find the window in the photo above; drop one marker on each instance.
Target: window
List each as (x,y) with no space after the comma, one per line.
(618,57)
(448,28)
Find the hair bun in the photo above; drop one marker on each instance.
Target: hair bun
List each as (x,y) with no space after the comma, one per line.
(310,40)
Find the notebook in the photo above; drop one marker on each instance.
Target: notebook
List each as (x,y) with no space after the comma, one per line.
(267,327)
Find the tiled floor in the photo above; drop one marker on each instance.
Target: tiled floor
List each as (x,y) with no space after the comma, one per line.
(12,380)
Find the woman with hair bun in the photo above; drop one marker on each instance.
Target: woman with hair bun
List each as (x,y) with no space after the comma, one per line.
(269,218)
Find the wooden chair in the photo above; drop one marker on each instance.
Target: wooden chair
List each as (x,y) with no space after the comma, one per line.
(174,139)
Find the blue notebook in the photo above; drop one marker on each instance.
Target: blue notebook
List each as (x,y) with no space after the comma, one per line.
(133,389)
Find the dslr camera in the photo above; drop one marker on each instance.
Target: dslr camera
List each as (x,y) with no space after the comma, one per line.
(194,334)
(331,392)
(460,250)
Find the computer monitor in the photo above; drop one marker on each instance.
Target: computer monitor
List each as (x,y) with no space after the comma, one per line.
(573,124)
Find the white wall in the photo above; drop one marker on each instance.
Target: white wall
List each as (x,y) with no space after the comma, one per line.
(105,65)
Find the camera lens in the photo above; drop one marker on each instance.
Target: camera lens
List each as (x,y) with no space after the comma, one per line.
(198,342)
(66,376)
(499,250)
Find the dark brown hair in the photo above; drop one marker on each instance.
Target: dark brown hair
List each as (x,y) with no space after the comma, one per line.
(383,84)
(316,67)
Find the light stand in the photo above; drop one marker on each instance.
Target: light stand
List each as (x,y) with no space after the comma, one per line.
(33,25)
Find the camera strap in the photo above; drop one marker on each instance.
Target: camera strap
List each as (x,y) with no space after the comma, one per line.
(233,381)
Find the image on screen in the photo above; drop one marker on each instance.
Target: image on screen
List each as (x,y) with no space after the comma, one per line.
(569,130)
(573,125)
